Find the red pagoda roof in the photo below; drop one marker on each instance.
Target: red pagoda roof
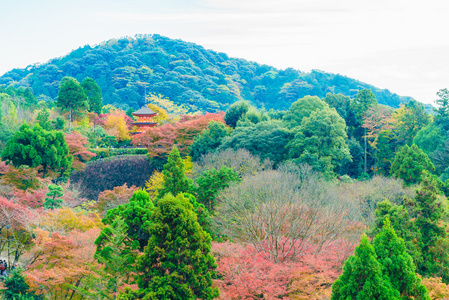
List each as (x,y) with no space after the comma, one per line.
(143,111)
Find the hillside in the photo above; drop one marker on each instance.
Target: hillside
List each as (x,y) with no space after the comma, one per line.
(185,73)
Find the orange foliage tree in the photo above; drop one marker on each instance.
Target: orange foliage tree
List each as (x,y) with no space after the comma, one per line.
(109,199)
(59,262)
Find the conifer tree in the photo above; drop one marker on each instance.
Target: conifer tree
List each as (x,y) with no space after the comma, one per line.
(410,163)
(15,287)
(362,277)
(117,265)
(55,192)
(430,211)
(175,180)
(398,264)
(136,215)
(177,263)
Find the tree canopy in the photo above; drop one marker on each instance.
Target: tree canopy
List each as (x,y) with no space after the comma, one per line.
(38,147)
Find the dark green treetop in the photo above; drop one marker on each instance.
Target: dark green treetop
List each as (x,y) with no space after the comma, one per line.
(93,93)
(404,226)
(235,112)
(53,199)
(398,265)
(320,142)
(409,164)
(136,215)
(362,277)
(302,108)
(208,140)
(177,263)
(175,180)
(38,147)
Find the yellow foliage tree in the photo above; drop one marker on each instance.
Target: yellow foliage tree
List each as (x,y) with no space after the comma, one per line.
(168,105)
(161,117)
(188,166)
(66,219)
(437,289)
(116,125)
(155,182)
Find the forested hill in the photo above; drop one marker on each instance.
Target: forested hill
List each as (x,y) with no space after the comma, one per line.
(185,73)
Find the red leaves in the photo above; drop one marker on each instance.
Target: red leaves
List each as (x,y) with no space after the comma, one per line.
(160,140)
(77,147)
(14,215)
(246,274)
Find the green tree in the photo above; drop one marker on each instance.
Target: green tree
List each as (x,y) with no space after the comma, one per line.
(16,287)
(235,112)
(362,277)
(320,142)
(211,182)
(115,257)
(430,211)
(175,179)
(342,105)
(266,140)
(404,226)
(208,140)
(364,99)
(430,138)
(55,192)
(71,97)
(398,264)
(43,119)
(410,163)
(410,118)
(301,109)
(38,147)
(93,92)
(385,151)
(442,103)
(136,214)
(177,263)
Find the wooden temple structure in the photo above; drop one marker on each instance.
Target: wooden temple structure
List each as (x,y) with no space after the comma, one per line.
(143,122)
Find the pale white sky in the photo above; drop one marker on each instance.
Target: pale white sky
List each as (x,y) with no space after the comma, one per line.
(401,45)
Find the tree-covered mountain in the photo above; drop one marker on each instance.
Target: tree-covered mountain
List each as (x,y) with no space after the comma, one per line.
(185,73)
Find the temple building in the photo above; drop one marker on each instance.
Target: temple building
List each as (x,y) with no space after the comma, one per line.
(143,122)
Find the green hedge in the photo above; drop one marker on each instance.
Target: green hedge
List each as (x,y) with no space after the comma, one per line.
(110,152)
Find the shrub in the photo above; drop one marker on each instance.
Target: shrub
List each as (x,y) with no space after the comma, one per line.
(108,173)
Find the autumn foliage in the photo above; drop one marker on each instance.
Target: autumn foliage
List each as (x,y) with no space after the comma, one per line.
(59,261)
(160,140)
(244,273)
(78,148)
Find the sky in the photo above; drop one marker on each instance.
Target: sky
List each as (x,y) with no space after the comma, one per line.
(400,45)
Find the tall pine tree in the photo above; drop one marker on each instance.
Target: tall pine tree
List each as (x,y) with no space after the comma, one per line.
(398,265)
(362,277)
(177,263)
(175,180)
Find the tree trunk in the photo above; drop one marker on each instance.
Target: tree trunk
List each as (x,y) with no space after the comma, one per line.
(365,152)
(70,119)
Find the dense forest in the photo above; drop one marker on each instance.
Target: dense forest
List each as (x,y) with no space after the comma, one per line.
(186,73)
(324,194)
